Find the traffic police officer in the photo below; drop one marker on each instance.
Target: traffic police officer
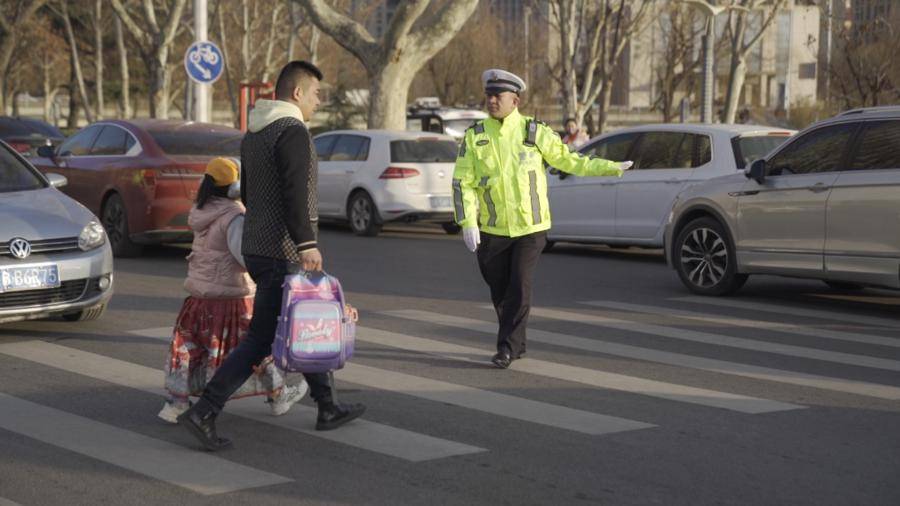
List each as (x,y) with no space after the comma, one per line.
(500,200)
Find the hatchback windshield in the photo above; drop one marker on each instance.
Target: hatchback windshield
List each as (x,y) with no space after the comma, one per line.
(16,176)
(423,151)
(747,149)
(198,143)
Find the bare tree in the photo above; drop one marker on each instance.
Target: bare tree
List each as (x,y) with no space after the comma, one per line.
(311,44)
(593,35)
(679,31)
(866,70)
(736,32)
(154,40)
(412,38)
(76,62)
(16,14)
(125,92)
(226,62)
(97,18)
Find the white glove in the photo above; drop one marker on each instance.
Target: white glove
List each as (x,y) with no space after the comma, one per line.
(472,237)
(623,166)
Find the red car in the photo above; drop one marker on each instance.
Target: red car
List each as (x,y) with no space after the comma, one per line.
(139,176)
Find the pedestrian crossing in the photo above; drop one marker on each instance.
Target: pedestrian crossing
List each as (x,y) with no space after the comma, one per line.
(209,474)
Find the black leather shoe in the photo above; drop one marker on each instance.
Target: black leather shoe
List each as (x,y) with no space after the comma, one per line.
(502,359)
(201,423)
(332,416)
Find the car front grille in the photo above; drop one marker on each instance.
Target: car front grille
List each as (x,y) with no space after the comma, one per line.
(45,246)
(68,291)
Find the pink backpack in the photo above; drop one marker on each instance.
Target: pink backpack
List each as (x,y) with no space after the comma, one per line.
(313,335)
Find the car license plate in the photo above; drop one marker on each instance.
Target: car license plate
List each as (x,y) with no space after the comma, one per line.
(441,202)
(31,277)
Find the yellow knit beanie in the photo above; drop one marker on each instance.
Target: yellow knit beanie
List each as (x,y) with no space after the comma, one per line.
(223,171)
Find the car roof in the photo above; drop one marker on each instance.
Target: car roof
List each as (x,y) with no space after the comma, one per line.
(391,134)
(710,128)
(150,124)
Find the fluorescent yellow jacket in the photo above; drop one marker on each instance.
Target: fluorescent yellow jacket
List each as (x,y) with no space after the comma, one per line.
(500,184)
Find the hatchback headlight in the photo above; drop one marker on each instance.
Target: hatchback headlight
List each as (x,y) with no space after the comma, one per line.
(91,236)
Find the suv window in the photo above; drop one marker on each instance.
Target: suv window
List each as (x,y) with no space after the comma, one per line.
(80,143)
(613,148)
(702,150)
(349,148)
(748,149)
(112,141)
(16,176)
(323,146)
(878,147)
(818,151)
(664,150)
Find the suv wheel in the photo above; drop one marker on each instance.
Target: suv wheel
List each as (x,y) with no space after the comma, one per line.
(362,215)
(115,221)
(704,258)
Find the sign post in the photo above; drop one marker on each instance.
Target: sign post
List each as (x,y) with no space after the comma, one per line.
(203,63)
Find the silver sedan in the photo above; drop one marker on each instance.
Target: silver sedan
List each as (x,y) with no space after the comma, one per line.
(54,256)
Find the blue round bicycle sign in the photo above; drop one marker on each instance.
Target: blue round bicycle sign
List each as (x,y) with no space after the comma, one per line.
(203,62)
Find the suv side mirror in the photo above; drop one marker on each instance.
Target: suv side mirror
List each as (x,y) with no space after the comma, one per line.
(46,151)
(757,171)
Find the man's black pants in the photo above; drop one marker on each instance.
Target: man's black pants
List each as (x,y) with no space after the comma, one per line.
(507,265)
(268,274)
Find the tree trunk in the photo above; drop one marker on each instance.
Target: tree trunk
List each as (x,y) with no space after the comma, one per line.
(125,99)
(76,64)
(737,74)
(159,85)
(98,55)
(226,65)
(605,98)
(388,96)
(314,35)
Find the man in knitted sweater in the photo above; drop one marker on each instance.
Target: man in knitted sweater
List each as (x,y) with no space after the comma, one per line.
(278,187)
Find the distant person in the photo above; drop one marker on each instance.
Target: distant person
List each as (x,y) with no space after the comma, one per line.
(575,137)
(215,317)
(500,201)
(278,186)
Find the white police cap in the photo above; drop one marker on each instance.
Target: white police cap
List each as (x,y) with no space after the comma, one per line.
(501,80)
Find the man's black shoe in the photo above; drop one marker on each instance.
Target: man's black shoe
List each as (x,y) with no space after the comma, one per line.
(332,416)
(502,359)
(201,423)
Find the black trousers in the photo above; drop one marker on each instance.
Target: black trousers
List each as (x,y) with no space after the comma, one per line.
(268,274)
(507,265)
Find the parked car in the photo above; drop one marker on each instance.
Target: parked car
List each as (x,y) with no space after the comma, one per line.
(825,205)
(370,177)
(632,210)
(139,176)
(443,120)
(54,256)
(26,135)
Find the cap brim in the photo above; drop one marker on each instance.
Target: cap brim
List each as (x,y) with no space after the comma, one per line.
(501,88)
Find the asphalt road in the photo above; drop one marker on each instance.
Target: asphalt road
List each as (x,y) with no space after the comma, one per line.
(632,393)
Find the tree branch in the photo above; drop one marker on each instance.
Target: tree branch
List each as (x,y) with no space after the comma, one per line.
(139,34)
(429,38)
(401,23)
(351,35)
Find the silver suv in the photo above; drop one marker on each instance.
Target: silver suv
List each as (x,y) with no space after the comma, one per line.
(824,205)
(54,256)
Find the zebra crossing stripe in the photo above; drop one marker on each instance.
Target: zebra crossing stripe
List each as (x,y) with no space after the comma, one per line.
(665,357)
(785,328)
(161,460)
(788,310)
(490,402)
(360,433)
(718,339)
(599,379)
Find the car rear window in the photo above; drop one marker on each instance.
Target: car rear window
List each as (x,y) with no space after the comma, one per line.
(423,151)
(198,143)
(747,149)
(16,176)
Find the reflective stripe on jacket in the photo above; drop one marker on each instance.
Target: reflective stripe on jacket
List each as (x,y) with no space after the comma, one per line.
(500,183)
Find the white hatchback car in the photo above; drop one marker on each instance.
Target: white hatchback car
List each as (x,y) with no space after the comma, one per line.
(632,210)
(369,177)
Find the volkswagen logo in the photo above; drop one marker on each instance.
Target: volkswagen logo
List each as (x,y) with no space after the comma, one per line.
(20,248)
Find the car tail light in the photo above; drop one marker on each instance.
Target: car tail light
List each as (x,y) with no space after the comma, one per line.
(398,173)
(148,176)
(21,147)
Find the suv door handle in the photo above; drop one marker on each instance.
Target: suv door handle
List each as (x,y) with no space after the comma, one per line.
(818,188)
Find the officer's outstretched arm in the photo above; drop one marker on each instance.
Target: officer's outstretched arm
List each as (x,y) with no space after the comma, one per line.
(557,154)
(465,201)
